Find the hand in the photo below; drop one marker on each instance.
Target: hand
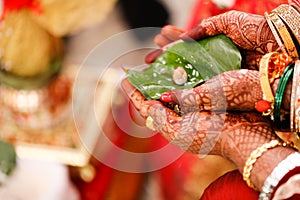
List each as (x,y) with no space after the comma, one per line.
(231,135)
(233,90)
(249,32)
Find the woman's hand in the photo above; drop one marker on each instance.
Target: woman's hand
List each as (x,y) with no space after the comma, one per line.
(192,129)
(232,135)
(249,32)
(237,90)
(232,90)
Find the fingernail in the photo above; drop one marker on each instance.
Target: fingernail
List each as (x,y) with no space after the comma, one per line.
(150,58)
(166,97)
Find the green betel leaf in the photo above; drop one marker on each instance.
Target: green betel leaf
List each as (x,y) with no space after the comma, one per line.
(201,60)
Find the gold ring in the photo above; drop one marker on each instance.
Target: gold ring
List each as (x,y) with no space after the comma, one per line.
(149,123)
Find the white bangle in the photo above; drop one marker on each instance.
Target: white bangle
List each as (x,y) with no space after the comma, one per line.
(289,163)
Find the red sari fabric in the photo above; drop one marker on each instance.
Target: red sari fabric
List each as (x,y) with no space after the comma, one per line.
(230,186)
(206,8)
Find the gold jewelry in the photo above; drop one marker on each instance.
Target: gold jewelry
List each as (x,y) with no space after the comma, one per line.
(292,137)
(275,33)
(264,79)
(291,17)
(285,35)
(295,5)
(253,158)
(294,96)
(149,123)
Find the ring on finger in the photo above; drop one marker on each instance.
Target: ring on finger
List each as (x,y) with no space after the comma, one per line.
(149,123)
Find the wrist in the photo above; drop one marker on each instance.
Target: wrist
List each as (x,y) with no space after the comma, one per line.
(264,164)
(267,163)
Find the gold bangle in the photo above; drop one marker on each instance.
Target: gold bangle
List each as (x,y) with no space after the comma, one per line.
(291,17)
(294,96)
(284,34)
(264,78)
(253,158)
(275,33)
(295,4)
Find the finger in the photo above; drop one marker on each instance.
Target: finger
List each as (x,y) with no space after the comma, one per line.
(161,40)
(134,95)
(168,34)
(188,131)
(242,28)
(233,90)
(211,133)
(206,27)
(171,32)
(140,103)
(151,57)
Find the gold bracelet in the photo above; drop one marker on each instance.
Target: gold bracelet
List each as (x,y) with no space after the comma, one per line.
(275,33)
(253,158)
(291,17)
(264,80)
(284,34)
(294,4)
(294,97)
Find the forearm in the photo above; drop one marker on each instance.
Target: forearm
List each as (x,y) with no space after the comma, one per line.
(266,164)
(241,139)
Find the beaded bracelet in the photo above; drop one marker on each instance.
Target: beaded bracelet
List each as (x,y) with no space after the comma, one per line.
(289,163)
(253,157)
(288,72)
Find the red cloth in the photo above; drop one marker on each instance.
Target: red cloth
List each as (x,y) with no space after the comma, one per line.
(206,8)
(230,186)
(16,5)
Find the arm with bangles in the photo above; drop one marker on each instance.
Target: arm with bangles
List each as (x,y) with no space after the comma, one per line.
(234,135)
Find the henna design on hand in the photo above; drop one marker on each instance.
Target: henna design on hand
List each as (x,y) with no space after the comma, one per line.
(248,31)
(229,134)
(233,90)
